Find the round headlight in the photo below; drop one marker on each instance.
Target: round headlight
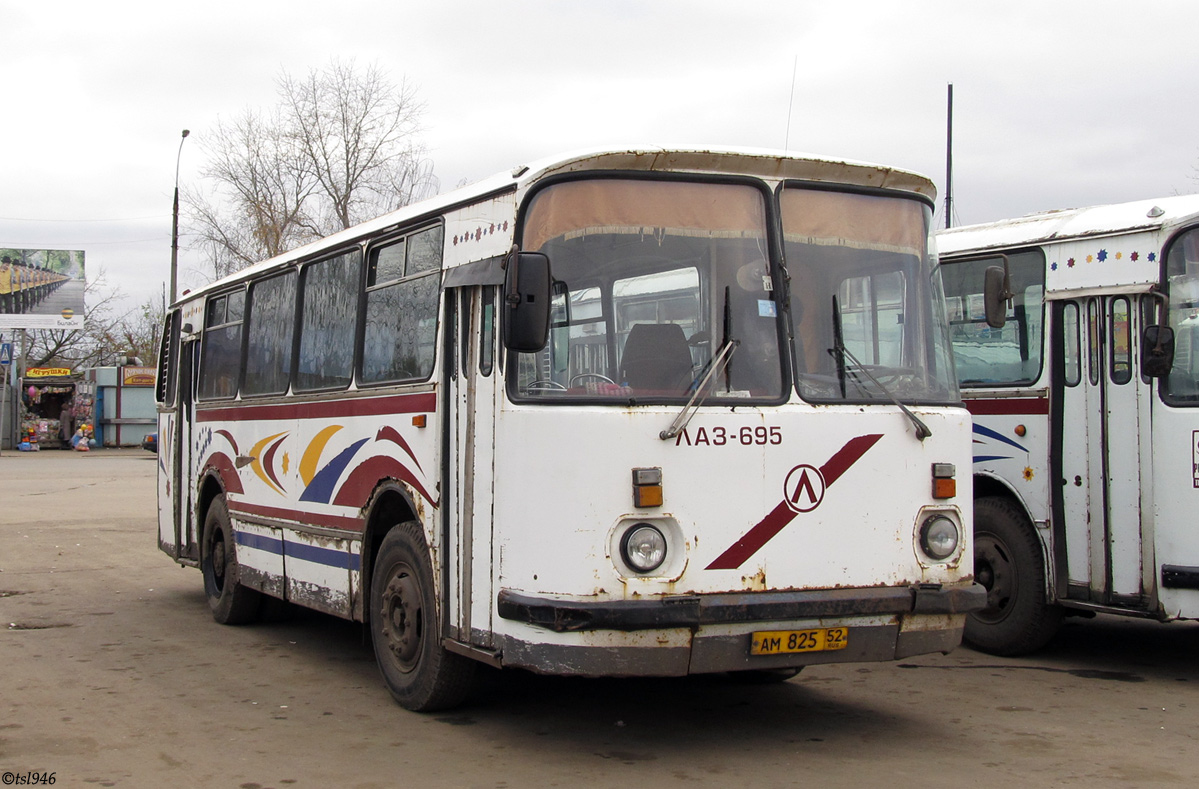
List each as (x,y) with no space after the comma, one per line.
(643,548)
(939,537)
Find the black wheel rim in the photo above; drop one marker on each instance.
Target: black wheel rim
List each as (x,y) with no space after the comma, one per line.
(995,570)
(402,617)
(217,561)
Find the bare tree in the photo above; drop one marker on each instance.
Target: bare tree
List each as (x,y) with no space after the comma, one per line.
(259,186)
(358,134)
(341,147)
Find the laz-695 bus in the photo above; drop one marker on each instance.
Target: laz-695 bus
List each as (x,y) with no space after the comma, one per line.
(626,412)
(1084,391)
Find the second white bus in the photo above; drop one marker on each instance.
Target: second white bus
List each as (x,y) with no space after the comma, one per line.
(1086,407)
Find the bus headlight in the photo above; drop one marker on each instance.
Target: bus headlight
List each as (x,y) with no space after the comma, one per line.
(643,548)
(939,537)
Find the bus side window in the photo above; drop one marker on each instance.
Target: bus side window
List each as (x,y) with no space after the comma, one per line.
(1094,329)
(1149,317)
(1121,340)
(487,333)
(220,360)
(402,301)
(327,322)
(464,336)
(270,329)
(1073,358)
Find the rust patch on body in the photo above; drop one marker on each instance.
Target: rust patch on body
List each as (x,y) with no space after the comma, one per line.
(755,582)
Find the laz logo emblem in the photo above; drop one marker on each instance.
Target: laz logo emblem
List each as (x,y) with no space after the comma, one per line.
(804,488)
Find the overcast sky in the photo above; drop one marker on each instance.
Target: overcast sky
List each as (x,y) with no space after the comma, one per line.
(1056,104)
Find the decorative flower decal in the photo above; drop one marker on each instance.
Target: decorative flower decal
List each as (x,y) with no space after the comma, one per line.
(1102,255)
(1070,262)
(1028,474)
(1134,257)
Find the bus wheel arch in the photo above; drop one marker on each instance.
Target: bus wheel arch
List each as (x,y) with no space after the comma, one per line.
(1009,563)
(405,626)
(389,505)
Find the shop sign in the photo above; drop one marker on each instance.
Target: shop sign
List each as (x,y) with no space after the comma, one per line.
(137,376)
(46,372)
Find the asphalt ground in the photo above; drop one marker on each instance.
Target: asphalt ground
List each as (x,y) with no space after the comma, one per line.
(112,673)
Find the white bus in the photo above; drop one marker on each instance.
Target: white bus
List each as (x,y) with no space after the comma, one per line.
(1086,440)
(628,412)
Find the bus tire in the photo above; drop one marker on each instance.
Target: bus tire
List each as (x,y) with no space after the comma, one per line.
(230,601)
(405,627)
(1008,562)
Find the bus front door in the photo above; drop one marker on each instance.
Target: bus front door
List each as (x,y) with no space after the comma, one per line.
(182,459)
(471,418)
(176,415)
(1100,480)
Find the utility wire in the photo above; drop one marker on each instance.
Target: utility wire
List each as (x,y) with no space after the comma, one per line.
(124,219)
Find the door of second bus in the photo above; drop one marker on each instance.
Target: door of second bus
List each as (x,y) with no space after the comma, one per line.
(1100,480)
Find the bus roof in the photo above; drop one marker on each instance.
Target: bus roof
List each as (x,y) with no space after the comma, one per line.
(1070,224)
(763,163)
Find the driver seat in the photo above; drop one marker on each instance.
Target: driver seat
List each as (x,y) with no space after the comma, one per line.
(656,357)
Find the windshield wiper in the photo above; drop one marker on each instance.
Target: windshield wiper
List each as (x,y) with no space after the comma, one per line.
(841,353)
(698,386)
(719,361)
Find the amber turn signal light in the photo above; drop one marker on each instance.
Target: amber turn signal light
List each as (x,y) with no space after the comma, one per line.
(647,487)
(944,484)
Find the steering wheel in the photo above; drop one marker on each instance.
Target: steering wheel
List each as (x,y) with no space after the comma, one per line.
(888,375)
(545,383)
(585,376)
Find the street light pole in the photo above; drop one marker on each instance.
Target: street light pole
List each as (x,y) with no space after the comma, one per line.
(175,224)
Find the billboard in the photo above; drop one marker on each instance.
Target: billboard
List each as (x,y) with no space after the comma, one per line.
(41,288)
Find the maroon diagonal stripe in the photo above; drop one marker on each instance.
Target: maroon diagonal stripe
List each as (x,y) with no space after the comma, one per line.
(780,516)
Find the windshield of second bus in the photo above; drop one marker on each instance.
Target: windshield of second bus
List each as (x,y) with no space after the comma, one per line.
(986,356)
(652,280)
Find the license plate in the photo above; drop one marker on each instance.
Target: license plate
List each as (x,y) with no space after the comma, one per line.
(780,642)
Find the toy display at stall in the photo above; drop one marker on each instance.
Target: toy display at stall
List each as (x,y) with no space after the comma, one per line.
(54,410)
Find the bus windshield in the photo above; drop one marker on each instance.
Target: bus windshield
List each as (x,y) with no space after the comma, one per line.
(866,299)
(652,280)
(986,356)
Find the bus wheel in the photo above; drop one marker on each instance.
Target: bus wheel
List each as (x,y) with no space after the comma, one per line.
(1007,561)
(420,674)
(231,603)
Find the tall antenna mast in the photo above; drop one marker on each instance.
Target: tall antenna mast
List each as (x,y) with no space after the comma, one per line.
(949,161)
(791,103)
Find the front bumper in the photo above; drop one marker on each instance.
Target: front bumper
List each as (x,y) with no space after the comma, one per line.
(885,623)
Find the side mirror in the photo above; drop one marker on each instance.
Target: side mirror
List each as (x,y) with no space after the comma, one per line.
(527,289)
(1157,351)
(996,292)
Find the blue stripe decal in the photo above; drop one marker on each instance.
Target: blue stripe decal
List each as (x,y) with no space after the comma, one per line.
(989,433)
(985,458)
(342,560)
(260,542)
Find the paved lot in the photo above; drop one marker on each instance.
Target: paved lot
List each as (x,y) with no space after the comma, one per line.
(112,673)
